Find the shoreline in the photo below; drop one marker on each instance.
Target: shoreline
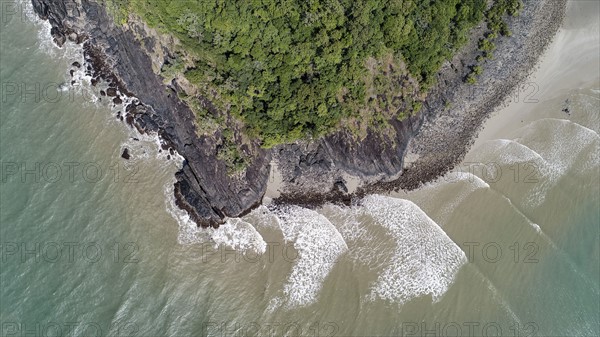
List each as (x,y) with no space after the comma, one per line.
(311,173)
(438,146)
(552,65)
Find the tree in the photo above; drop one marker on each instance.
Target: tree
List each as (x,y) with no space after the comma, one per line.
(280,65)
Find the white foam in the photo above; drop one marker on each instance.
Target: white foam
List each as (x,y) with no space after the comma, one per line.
(523,149)
(586,109)
(45,41)
(471,181)
(79,83)
(567,148)
(263,218)
(318,245)
(425,261)
(239,235)
(148,146)
(349,226)
(274,304)
(234,234)
(562,143)
(189,233)
(539,175)
(458,175)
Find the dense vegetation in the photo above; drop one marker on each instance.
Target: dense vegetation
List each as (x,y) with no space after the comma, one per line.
(496,25)
(295,68)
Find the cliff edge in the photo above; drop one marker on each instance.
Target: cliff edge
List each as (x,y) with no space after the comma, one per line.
(419,148)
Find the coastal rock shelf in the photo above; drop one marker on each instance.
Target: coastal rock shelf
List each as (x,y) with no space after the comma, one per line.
(312,171)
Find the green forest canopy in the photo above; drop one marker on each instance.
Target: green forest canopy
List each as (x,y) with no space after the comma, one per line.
(289,68)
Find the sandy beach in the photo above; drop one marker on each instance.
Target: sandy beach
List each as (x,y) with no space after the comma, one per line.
(556,74)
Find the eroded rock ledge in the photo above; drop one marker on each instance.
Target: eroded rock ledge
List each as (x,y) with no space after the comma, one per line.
(313,172)
(116,55)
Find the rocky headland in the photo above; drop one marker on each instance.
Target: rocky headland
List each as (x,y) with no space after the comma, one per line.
(420,149)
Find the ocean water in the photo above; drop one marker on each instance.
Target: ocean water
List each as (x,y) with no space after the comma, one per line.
(508,244)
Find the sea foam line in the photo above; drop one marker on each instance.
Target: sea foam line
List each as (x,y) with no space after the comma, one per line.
(318,244)
(235,233)
(509,152)
(425,261)
(473,182)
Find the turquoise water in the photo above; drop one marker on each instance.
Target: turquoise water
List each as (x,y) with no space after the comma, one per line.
(99,250)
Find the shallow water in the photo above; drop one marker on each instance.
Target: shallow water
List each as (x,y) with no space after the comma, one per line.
(507,244)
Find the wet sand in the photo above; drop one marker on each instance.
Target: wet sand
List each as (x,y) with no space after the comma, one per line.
(571,61)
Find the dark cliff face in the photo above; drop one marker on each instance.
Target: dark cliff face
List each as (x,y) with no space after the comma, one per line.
(312,172)
(203,187)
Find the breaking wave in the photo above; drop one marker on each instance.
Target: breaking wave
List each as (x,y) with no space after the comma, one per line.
(425,261)
(319,246)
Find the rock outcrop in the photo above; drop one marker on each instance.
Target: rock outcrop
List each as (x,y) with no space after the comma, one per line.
(312,171)
(115,54)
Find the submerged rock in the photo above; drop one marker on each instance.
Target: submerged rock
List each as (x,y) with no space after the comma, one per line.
(111,92)
(59,36)
(125,155)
